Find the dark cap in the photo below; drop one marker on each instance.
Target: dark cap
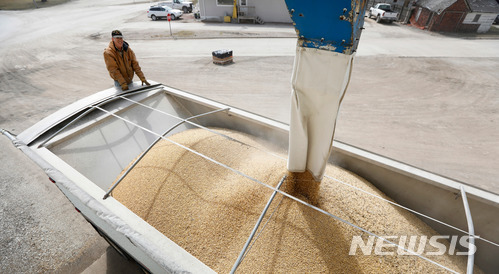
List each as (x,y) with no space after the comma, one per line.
(116,34)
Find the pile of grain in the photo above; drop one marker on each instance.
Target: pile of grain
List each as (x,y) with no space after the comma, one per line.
(210,211)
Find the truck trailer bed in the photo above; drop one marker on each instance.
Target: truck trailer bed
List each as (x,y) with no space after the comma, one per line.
(88,147)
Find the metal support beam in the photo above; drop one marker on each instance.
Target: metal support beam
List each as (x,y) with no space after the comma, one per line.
(9,135)
(241,255)
(109,100)
(471,233)
(150,146)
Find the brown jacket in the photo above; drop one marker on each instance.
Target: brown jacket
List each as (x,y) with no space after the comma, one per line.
(121,68)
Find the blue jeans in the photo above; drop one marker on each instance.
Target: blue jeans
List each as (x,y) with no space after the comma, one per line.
(117,84)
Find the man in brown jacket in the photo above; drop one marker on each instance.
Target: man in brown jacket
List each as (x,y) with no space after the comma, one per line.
(121,62)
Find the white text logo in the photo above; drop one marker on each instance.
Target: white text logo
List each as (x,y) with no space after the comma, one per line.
(413,245)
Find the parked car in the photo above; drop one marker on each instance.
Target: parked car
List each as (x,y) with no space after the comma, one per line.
(383,12)
(497,20)
(161,12)
(185,6)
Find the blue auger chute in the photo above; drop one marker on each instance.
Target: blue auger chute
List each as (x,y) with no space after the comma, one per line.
(333,25)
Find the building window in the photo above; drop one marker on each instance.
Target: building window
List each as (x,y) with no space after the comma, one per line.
(225,2)
(477,17)
(243,2)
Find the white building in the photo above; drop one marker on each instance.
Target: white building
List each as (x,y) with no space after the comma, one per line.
(257,11)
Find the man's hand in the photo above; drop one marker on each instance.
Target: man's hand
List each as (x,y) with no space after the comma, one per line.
(144,82)
(124,87)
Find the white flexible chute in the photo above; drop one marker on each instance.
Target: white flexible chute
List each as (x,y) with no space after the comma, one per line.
(320,79)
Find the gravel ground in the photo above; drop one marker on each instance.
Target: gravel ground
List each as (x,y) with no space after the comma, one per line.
(425,99)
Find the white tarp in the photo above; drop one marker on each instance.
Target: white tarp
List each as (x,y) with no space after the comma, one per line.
(320,79)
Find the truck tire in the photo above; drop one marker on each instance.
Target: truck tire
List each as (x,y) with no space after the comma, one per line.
(378,19)
(370,15)
(185,9)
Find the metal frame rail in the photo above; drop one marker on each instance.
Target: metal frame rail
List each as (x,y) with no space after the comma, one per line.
(9,135)
(263,228)
(194,124)
(471,229)
(276,190)
(243,252)
(154,143)
(93,107)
